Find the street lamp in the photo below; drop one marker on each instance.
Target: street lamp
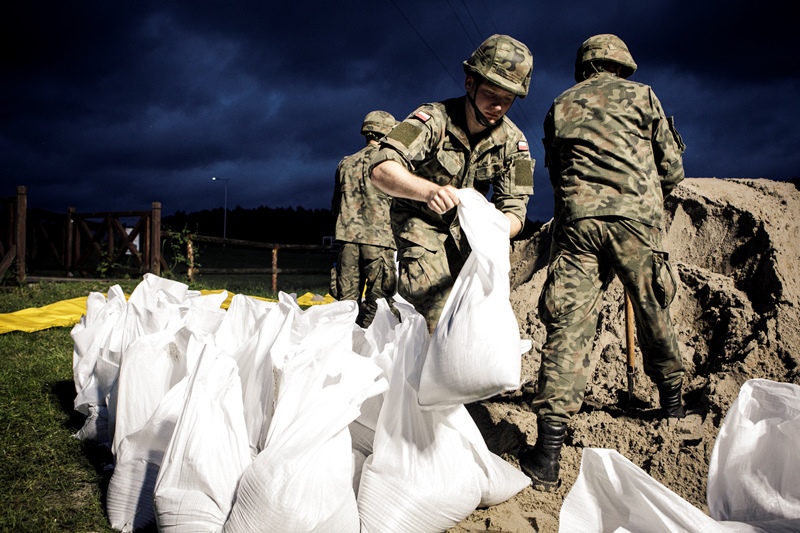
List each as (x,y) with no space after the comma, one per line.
(225,212)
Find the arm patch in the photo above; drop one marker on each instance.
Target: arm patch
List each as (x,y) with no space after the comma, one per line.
(523,174)
(404,133)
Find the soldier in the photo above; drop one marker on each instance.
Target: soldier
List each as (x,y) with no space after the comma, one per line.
(458,143)
(365,270)
(613,156)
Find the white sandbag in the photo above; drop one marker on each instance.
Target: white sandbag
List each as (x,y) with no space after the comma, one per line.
(240,322)
(378,344)
(754,471)
(91,335)
(151,366)
(358,465)
(208,451)
(150,363)
(95,428)
(303,479)
(422,475)
(96,349)
(612,494)
(475,351)
(129,500)
(499,480)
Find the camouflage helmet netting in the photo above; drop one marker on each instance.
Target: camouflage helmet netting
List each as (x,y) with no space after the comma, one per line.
(604,47)
(504,61)
(378,122)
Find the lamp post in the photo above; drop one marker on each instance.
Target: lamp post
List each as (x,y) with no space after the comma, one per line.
(225,212)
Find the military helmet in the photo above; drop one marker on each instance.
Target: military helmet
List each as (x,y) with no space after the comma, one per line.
(378,123)
(604,47)
(504,61)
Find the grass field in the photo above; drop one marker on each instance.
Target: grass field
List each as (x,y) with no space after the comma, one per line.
(50,481)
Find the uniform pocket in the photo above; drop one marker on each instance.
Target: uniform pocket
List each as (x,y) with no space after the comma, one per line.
(565,289)
(413,283)
(664,286)
(451,162)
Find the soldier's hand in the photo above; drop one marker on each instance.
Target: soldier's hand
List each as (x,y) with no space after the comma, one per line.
(443,199)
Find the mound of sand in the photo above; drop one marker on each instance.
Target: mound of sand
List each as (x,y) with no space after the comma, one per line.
(734,244)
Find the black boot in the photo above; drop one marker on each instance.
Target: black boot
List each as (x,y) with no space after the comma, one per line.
(540,462)
(671,401)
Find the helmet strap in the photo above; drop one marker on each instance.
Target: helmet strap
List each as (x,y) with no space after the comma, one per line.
(480,117)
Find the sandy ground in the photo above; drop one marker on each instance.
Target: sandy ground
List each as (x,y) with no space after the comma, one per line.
(734,245)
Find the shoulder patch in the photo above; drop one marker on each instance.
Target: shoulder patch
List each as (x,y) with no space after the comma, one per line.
(422,115)
(522,146)
(405,133)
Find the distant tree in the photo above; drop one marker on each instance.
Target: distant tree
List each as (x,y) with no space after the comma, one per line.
(283,225)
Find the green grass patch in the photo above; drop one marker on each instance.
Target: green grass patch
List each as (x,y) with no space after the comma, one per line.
(49,481)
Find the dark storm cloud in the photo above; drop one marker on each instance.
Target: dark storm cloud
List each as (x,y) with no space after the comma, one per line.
(112,106)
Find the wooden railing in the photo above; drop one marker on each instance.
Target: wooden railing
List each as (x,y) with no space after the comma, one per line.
(193,270)
(90,245)
(74,244)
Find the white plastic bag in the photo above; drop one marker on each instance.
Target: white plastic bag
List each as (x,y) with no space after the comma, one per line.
(612,494)
(97,342)
(475,351)
(753,477)
(754,471)
(208,451)
(422,475)
(303,479)
(129,502)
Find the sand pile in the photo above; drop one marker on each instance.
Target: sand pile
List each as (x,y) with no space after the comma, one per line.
(734,244)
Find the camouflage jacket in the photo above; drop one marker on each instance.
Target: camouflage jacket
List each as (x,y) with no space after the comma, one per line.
(611,150)
(360,208)
(432,143)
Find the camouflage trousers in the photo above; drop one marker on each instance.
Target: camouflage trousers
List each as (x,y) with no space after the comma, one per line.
(584,257)
(427,275)
(364,273)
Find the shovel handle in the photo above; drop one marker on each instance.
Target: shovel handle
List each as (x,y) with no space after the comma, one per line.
(630,337)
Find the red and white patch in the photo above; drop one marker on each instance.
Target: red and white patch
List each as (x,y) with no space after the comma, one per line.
(423,116)
(522,146)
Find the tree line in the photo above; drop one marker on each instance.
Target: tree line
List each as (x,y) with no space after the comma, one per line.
(282,225)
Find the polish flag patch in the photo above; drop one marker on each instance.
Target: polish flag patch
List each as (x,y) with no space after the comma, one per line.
(423,116)
(522,146)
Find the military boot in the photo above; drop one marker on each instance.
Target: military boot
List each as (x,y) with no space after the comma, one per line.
(671,401)
(540,462)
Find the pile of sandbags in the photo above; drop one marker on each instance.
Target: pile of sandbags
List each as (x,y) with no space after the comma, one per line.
(269,417)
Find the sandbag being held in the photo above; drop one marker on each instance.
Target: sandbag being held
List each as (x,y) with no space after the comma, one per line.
(475,351)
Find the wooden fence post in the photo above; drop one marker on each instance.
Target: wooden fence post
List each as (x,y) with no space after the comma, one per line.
(155,239)
(275,270)
(190,258)
(22,211)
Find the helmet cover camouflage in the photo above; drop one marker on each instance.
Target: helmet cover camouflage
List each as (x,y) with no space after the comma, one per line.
(604,47)
(378,122)
(504,61)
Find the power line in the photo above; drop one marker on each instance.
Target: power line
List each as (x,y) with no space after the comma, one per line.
(477,28)
(469,38)
(433,53)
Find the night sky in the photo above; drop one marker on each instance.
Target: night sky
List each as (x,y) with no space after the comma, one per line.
(114,105)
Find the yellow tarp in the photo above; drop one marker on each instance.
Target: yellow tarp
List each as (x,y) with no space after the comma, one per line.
(67,313)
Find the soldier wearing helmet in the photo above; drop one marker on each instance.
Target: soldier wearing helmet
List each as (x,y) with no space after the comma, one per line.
(613,155)
(365,269)
(458,143)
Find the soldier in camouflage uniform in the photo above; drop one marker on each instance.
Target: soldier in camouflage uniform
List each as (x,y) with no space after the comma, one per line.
(458,143)
(365,270)
(613,156)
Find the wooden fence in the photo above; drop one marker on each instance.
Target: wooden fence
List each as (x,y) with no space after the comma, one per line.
(45,246)
(193,270)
